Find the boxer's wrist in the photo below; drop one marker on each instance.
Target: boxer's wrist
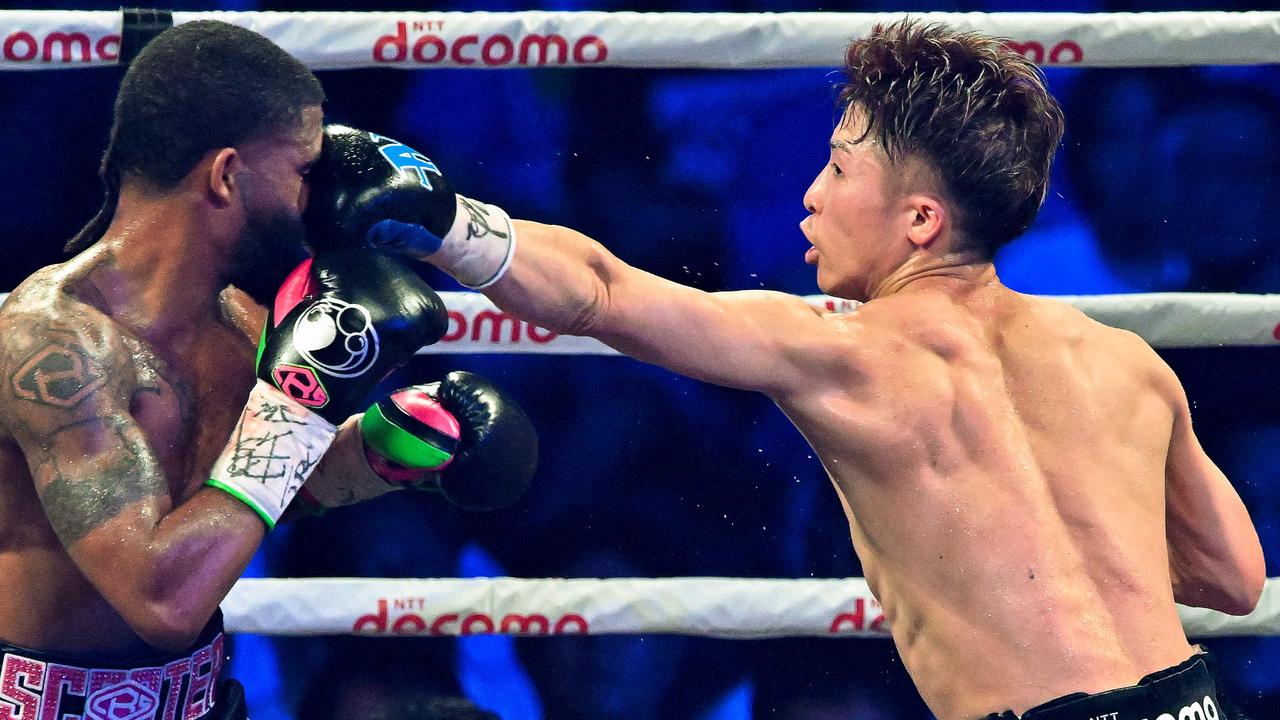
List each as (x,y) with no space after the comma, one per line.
(274,447)
(479,246)
(304,504)
(345,475)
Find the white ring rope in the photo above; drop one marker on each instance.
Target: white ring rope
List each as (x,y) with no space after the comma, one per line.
(1164,320)
(714,607)
(332,40)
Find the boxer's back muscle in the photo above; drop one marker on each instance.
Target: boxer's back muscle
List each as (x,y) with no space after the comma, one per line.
(1003,470)
(185,400)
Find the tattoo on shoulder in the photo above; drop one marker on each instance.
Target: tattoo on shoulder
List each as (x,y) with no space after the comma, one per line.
(81,493)
(58,373)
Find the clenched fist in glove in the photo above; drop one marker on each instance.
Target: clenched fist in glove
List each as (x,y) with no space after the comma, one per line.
(461,436)
(368,190)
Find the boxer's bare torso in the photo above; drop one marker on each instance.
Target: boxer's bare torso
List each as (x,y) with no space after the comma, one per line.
(1001,460)
(185,390)
(1023,485)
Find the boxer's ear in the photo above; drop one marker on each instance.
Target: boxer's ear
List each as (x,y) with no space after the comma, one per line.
(928,218)
(224,164)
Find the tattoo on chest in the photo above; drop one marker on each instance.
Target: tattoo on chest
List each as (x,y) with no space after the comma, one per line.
(58,373)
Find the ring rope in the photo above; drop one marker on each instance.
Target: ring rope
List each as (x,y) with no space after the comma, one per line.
(1164,320)
(716,607)
(31,39)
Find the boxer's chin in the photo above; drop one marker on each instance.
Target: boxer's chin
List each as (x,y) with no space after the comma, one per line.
(271,246)
(846,288)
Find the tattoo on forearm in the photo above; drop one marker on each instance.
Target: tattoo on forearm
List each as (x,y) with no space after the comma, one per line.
(58,373)
(83,493)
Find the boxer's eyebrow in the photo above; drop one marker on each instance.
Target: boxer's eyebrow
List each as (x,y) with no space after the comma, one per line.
(839,145)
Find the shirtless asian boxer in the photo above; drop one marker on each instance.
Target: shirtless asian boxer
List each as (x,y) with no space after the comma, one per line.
(1022,484)
(149,439)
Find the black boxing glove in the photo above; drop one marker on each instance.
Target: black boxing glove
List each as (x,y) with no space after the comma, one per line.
(340,323)
(368,190)
(478,443)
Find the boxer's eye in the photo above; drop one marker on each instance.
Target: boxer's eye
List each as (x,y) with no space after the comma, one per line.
(836,169)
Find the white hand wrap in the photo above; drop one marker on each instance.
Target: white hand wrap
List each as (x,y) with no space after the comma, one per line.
(275,446)
(478,248)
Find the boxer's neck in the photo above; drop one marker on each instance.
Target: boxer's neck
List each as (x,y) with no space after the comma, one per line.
(160,271)
(961,271)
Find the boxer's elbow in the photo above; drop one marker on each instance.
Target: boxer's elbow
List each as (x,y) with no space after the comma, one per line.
(1244,581)
(1234,601)
(1248,591)
(588,311)
(167,612)
(1233,590)
(167,626)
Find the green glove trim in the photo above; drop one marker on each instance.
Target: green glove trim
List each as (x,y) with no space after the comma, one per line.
(233,492)
(397,444)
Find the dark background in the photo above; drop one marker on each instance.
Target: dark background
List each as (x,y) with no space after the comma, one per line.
(1165,182)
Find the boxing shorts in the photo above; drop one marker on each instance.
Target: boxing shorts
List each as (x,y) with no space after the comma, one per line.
(36,685)
(1185,691)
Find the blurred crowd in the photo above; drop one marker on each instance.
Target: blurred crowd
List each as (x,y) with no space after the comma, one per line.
(1165,182)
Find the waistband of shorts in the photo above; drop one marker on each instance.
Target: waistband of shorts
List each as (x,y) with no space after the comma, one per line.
(39,685)
(1184,690)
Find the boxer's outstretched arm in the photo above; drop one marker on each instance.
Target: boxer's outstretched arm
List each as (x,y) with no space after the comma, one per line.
(1215,556)
(755,340)
(163,568)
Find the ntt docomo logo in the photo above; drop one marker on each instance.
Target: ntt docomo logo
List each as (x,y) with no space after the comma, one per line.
(488,325)
(865,617)
(1067,52)
(425,46)
(59,47)
(418,623)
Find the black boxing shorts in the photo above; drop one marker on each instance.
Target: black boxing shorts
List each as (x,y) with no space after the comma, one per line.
(36,685)
(1186,691)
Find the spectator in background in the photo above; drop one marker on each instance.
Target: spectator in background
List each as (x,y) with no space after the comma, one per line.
(1107,157)
(409,707)
(1169,169)
(1214,185)
(375,678)
(622,677)
(817,679)
(417,538)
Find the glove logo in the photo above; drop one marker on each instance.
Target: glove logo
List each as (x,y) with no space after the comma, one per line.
(402,157)
(301,384)
(337,338)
